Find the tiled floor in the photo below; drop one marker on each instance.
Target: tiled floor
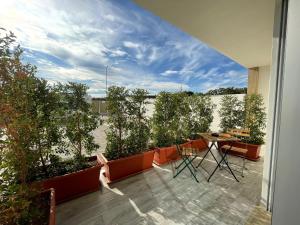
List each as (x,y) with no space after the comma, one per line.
(154,197)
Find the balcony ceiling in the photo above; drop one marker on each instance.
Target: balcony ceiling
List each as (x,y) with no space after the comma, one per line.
(239,29)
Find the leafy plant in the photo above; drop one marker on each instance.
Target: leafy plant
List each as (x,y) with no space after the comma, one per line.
(249,113)
(37,121)
(117,122)
(138,124)
(181,109)
(231,113)
(167,121)
(80,121)
(128,128)
(227,91)
(199,115)
(255,118)
(18,132)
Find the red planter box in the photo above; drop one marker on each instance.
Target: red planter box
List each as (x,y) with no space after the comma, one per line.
(75,184)
(253,150)
(165,155)
(199,144)
(52,207)
(119,169)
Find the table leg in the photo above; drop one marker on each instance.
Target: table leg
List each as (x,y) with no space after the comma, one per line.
(223,159)
(209,151)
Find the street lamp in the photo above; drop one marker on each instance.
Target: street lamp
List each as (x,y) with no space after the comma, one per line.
(106,68)
(106,73)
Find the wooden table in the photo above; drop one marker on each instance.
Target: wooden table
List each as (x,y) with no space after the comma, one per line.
(214,143)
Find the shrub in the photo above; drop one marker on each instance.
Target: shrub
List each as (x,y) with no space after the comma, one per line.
(18,133)
(249,113)
(117,122)
(37,121)
(128,128)
(168,119)
(255,118)
(231,113)
(79,121)
(138,124)
(199,115)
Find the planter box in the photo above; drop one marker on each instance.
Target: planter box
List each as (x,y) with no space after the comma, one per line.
(253,150)
(45,204)
(75,184)
(165,155)
(199,144)
(51,193)
(119,169)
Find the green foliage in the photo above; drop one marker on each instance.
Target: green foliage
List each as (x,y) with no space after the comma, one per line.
(227,91)
(178,116)
(249,113)
(128,128)
(255,118)
(138,124)
(117,122)
(231,113)
(37,121)
(168,119)
(199,115)
(79,120)
(18,132)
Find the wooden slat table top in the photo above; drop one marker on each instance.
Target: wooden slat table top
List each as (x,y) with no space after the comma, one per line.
(211,138)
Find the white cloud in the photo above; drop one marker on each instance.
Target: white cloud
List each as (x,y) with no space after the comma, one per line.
(86,36)
(169,72)
(130,44)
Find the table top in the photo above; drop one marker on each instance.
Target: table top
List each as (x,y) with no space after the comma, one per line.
(211,138)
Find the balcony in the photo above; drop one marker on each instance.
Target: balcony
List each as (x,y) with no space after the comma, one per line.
(155,197)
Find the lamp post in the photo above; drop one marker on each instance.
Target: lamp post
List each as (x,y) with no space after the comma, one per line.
(106,68)
(106,75)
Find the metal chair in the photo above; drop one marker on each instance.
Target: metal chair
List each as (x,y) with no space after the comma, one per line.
(236,151)
(188,155)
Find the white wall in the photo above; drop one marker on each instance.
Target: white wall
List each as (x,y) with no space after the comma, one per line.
(286,210)
(216,99)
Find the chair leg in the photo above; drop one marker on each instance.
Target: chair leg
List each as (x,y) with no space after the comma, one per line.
(244,166)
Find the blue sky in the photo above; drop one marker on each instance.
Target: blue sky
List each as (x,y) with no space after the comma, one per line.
(74,40)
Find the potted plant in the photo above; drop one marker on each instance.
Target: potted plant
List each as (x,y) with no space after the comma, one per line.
(231,113)
(198,119)
(20,201)
(78,121)
(48,122)
(248,114)
(128,133)
(167,129)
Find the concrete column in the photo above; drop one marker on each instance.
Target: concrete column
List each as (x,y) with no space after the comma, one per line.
(259,82)
(253,77)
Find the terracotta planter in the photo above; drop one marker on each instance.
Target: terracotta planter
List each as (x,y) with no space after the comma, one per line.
(119,169)
(253,150)
(165,155)
(52,206)
(75,184)
(45,204)
(199,144)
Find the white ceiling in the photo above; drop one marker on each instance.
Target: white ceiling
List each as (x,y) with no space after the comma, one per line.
(240,29)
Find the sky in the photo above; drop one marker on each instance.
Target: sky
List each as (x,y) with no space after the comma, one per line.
(76,40)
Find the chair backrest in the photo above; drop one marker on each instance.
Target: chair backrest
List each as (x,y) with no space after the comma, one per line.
(240,132)
(183,151)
